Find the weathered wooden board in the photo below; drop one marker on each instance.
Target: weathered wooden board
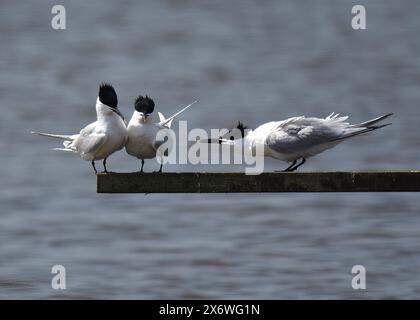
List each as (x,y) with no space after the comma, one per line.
(207,182)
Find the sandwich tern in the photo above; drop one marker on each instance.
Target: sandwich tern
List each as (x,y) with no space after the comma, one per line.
(298,138)
(143,128)
(101,138)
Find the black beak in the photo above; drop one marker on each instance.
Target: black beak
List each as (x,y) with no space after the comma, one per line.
(219,141)
(115,110)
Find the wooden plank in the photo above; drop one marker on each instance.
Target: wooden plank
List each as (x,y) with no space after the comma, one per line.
(207,182)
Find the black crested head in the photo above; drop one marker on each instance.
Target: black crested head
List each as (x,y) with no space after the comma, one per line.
(236,133)
(107,95)
(242,128)
(144,105)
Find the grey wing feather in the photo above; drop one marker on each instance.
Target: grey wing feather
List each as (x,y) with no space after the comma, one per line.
(89,144)
(299,134)
(88,141)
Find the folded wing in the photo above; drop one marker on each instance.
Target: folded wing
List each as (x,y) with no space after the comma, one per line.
(307,136)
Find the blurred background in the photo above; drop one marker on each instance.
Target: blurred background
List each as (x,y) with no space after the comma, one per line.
(253,61)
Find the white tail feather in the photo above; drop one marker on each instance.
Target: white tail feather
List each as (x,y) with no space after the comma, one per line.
(56,136)
(372,122)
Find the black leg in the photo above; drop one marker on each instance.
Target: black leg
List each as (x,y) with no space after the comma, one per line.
(104,163)
(93,165)
(142,165)
(161,165)
(290,167)
(302,162)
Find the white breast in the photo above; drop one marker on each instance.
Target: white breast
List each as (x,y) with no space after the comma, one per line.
(116,138)
(141,138)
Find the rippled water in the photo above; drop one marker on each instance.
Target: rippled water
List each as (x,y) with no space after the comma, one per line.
(245,60)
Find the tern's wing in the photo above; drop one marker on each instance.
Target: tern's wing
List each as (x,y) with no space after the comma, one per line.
(302,135)
(89,129)
(299,134)
(89,144)
(88,140)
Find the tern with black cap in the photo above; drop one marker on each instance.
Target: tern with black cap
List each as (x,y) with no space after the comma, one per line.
(144,127)
(297,138)
(100,139)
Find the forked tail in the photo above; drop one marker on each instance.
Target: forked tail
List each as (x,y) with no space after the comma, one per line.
(371,122)
(365,127)
(67,143)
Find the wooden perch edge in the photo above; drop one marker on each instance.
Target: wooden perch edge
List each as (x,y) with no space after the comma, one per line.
(238,182)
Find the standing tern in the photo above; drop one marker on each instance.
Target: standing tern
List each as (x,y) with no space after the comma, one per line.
(143,128)
(101,138)
(298,138)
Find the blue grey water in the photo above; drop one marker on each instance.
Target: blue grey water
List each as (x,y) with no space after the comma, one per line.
(253,61)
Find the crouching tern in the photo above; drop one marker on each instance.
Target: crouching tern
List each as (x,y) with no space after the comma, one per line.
(144,127)
(298,138)
(101,138)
